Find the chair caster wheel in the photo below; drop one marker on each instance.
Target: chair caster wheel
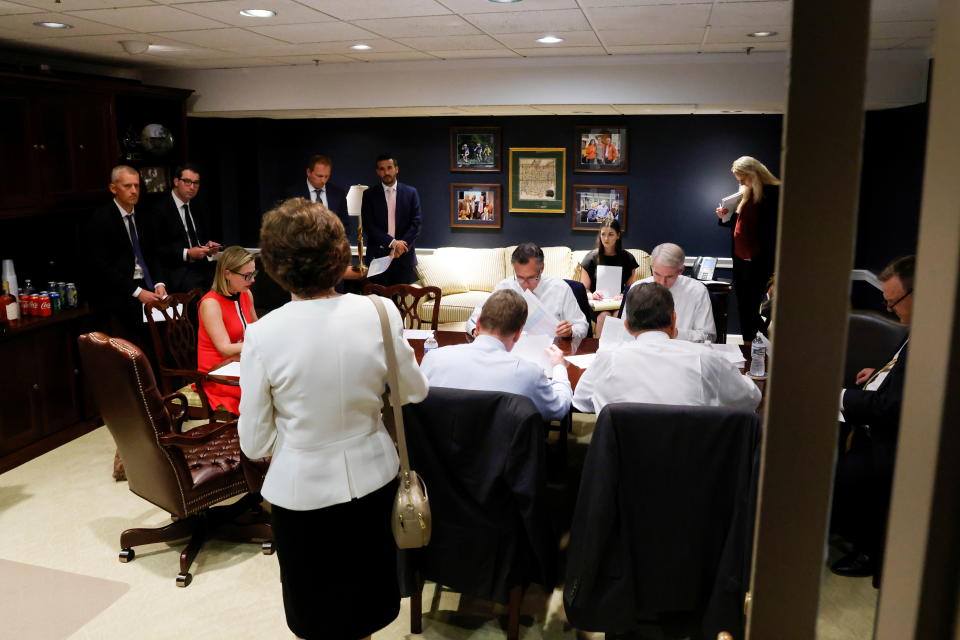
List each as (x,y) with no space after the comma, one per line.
(266,548)
(127,555)
(184,579)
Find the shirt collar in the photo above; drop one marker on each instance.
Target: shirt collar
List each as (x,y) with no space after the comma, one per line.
(489,343)
(311,188)
(177,201)
(386,188)
(122,210)
(653,336)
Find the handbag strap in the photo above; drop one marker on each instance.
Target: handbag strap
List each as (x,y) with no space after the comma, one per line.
(393,380)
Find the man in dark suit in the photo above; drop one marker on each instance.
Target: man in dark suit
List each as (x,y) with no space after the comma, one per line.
(123,272)
(391,221)
(318,188)
(184,248)
(869,444)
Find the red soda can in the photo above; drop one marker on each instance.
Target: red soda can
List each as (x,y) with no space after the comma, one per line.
(28,305)
(44,309)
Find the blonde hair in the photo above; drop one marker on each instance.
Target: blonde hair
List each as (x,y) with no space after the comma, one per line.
(231,259)
(758,172)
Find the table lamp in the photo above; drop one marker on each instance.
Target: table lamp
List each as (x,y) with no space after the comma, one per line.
(354,203)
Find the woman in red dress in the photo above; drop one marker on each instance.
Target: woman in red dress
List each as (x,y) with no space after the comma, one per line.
(225,312)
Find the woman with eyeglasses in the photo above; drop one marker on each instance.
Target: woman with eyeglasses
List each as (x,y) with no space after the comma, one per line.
(225,312)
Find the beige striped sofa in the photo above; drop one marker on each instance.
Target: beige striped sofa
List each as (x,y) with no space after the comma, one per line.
(467,276)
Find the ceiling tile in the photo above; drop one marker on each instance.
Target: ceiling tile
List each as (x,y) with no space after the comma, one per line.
(733,47)
(172,49)
(648,35)
(458,54)
(234,39)
(228,12)
(23,25)
(430,43)
(324,48)
(564,51)
(577,109)
(649,109)
(472,6)
(77,5)
(315,32)
(451,25)
(500,110)
(218,63)
(530,21)
(570,39)
(375,56)
(313,59)
(903,10)
(631,49)
(633,3)
(10,9)
(149,19)
(722,35)
(886,43)
(686,15)
(917,43)
(751,14)
(882,30)
(377,9)
(110,44)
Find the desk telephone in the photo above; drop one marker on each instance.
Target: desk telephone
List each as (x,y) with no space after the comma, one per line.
(703,268)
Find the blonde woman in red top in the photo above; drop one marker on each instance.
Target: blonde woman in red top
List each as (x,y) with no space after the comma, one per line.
(225,312)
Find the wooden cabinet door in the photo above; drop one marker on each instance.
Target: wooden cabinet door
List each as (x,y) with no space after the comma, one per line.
(19,186)
(57,360)
(94,143)
(56,148)
(18,426)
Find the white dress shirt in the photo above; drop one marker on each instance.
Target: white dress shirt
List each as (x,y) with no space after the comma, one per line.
(183,220)
(486,365)
(311,377)
(691,301)
(317,197)
(554,294)
(657,370)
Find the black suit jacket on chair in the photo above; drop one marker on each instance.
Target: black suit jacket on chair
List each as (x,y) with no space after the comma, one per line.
(171,239)
(374,214)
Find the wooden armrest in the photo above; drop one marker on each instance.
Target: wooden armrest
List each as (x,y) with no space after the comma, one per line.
(178,412)
(201,434)
(230,382)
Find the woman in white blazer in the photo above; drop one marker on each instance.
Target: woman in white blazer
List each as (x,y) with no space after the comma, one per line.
(312,375)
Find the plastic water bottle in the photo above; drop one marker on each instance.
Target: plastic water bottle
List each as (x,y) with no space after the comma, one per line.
(758,354)
(430,344)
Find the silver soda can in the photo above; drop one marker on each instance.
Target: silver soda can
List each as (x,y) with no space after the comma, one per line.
(71,296)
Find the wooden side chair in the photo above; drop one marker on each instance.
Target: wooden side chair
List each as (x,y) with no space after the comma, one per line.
(175,348)
(409,300)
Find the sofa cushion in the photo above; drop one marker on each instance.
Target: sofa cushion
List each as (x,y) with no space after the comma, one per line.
(556,261)
(457,307)
(439,271)
(480,269)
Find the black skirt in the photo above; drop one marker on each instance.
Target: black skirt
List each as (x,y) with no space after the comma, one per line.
(338,567)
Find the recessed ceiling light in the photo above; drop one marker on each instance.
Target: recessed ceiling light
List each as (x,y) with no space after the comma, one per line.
(361,47)
(549,39)
(258,13)
(53,25)
(762,34)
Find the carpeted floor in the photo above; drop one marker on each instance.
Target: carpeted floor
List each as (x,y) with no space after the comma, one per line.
(61,516)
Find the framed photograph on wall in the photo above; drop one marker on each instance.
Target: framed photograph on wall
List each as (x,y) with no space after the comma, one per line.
(475,206)
(154,179)
(595,204)
(601,150)
(538,180)
(475,149)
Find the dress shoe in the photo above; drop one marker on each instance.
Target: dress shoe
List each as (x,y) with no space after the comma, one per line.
(854,565)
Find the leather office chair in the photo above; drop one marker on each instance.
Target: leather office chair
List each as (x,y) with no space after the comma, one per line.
(662,531)
(409,300)
(482,456)
(719,304)
(175,348)
(183,473)
(871,338)
(580,293)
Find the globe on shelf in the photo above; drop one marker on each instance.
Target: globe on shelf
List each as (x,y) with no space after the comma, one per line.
(156,139)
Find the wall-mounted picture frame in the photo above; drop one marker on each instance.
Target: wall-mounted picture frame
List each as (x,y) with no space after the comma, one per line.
(154,179)
(601,150)
(475,206)
(537,179)
(475,149)
(595,204)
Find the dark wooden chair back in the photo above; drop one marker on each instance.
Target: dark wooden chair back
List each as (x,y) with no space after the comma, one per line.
(409,300)
(720,302)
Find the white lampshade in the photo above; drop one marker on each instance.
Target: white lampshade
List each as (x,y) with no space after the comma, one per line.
(355,198)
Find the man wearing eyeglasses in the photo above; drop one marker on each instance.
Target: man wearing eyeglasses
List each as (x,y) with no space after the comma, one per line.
(184,249)
(867,453)
(554,294)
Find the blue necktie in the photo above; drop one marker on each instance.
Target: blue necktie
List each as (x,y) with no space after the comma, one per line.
(135,241)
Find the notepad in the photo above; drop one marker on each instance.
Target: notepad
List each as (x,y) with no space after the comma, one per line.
(158,315)
(730,202)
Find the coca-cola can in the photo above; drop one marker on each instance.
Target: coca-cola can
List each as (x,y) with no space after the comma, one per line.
(28,304)
(44,310)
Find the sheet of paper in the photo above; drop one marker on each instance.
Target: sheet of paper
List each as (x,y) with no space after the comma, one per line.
(417,334)
(230,369)
(608,280)
(730,351)
(583,361)
(607,304)
(158,316)
(613,335)
(379,265)
(539,320)
(730,202)
(533,347)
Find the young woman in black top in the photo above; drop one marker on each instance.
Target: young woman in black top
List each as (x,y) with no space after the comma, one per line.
(609,252)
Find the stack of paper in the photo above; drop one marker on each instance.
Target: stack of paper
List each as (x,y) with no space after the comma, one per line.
(539,320)
(533,347)
(731,352)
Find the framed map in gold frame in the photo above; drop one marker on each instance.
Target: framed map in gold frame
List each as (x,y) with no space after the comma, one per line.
(537,180)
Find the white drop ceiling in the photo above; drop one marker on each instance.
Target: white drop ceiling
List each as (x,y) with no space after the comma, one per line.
(213,35)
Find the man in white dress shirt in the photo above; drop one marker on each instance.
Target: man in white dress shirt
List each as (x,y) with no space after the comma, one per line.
(486,364)
(657,369)
(691,299)
(554,294)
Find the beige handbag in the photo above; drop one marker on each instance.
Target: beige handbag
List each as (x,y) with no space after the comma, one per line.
(411,521)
